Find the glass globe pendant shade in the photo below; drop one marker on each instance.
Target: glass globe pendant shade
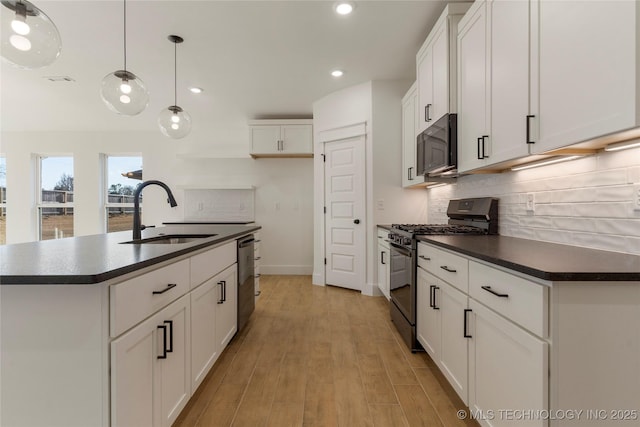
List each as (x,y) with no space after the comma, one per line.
(29,38)
(174,122)
(124,93)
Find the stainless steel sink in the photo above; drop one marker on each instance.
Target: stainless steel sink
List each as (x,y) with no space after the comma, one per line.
(171,239)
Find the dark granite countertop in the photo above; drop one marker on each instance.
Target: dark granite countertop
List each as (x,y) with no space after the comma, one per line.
(100,257)
(548,261)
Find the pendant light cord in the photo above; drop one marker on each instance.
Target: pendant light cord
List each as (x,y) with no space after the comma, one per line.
(125,35)
(175,73)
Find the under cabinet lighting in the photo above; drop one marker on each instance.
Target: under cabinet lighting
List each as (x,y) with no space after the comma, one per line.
(622,145)
(544,162)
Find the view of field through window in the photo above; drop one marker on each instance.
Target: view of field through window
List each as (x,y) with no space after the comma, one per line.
(124,174)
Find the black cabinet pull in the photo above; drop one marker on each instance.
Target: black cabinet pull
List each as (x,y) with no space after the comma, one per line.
(427,117)
(382,258)
(465,332)
(424,257)
(435,306)
(409,174)
(170,323)
(169,286)
(529,117)
(224,291)
(480,149)
(450,270)
(164,341)
(484,155)
(221,300)
(431,295)
(491,291)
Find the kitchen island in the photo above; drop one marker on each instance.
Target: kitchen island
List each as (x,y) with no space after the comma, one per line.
(99,332)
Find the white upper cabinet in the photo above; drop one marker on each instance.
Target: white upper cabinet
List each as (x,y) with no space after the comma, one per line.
(436,68)
(409,133)
(281,138)
(494,100)
(536,76)
(589,74)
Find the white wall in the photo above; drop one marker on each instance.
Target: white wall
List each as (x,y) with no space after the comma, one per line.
(585,202)
(378,104)
(287,231)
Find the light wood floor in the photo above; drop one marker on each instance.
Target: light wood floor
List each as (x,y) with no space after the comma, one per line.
(321,356)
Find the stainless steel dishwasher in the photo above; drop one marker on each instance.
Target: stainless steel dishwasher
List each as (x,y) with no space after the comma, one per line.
(246,291)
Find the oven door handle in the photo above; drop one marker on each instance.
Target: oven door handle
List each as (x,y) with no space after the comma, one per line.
(402,250)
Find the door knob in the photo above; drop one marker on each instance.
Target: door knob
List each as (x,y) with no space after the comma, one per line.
(356,221)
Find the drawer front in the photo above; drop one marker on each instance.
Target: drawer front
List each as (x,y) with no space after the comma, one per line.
(451,268)
(383,237)
(519,300)
(207,264)
(134,300)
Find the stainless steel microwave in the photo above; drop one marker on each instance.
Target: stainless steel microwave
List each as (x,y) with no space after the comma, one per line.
(437,147)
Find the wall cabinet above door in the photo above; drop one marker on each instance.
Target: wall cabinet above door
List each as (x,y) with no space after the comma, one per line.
(281,138)
(436,68)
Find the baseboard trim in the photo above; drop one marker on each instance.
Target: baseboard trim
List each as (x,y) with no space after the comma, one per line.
(287,270)
(372,290)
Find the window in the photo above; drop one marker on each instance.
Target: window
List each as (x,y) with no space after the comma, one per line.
(3,200)
(55,204)
(123,175)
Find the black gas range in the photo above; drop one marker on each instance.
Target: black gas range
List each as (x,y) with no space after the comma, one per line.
(466,217)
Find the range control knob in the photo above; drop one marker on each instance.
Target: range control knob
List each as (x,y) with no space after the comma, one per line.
(406,241)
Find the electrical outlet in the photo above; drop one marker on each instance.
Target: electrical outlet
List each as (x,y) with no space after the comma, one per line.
(530,202)
(635,201)
(380,204)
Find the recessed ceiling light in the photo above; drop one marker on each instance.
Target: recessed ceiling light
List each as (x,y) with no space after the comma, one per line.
(196,89)
(337,73)
(344,7)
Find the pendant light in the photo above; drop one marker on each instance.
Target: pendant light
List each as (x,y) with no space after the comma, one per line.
(122,91)
(29,38)
(174,122)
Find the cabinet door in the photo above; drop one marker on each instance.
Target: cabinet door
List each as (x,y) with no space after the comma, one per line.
(204,349)
(175,370)
(146,387)
(508,367)
(227,306)
(264,139)
(425,88)
(588,70)
(296,139)
(473,108)
(409,119)
(428,313)
(383,270)
(509,34)
(440,72)
(453,345)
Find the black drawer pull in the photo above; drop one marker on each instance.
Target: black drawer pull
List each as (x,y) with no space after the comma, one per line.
(221,300)
(491,291)
(450,270)
(431,295)
(465,332)
(529,141)
(164,341)
(169,286)
(435,307)
(382,258)
(424,257)
(170,323)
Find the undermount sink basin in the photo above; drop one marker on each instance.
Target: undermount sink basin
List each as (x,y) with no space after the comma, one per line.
(171,239)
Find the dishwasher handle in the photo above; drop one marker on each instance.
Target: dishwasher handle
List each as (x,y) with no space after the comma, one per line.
(245,243)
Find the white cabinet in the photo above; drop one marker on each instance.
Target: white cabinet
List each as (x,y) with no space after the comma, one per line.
(494,99)
(589,80)
(227,307)
(281,138)
(507,368)
(150,369)
(256,263)
(383,262)
(409,133)
(428,314)
(436,68)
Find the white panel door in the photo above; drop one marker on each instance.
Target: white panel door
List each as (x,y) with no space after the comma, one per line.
(345,216)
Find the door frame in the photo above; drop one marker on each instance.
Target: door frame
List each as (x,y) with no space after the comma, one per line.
(331,135)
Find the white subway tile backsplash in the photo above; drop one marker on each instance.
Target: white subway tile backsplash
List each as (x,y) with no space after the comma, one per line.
(586,202)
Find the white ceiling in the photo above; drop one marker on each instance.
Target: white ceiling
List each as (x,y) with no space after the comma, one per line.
(254,59)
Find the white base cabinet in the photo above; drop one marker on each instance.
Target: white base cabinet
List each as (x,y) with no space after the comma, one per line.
(150,369)
(533,348)
(126,352)
(383,263)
